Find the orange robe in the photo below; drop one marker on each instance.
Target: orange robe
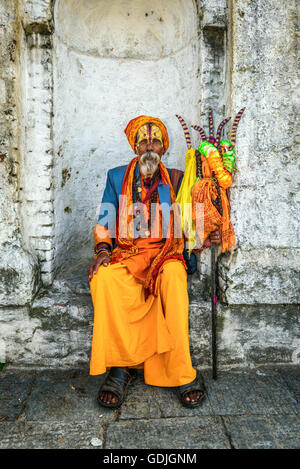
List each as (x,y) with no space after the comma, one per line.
(130,331)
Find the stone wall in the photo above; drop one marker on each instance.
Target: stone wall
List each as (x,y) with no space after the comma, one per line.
(19,270)
(265,266)
(65,78)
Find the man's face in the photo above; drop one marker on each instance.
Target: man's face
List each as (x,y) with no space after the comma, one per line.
(149,149)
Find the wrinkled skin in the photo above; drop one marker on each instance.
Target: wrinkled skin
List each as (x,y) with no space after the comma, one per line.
(102,259)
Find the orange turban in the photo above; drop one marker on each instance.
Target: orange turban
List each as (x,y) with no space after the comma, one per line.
(135,124)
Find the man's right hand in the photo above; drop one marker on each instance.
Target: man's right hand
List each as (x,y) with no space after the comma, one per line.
(102,259)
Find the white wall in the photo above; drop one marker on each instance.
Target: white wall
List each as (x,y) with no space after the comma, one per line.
(115,60)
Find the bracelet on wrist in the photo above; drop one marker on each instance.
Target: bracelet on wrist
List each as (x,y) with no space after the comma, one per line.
(100,252)
(99,249)
(102,247)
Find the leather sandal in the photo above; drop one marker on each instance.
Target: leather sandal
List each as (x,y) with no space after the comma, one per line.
(190,387)
(116,382)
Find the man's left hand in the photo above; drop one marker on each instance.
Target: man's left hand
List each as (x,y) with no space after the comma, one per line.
(215,237)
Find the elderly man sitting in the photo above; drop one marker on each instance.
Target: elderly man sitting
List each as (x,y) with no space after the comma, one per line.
(138,279)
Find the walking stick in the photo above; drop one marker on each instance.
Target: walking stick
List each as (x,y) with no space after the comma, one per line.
(199,174)
(228,161)
(226,149)
(213,311)
(214,298)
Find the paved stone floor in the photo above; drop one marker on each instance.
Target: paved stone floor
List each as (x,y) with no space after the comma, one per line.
(244,408)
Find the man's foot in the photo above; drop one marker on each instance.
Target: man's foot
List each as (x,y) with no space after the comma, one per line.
(193,396)
(108,398)
(117,380)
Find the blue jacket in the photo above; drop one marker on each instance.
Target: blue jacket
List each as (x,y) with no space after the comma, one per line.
(113,190)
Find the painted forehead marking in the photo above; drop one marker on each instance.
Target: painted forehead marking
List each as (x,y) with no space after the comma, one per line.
(149,132)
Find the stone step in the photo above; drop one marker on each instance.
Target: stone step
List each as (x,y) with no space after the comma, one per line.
(56,331)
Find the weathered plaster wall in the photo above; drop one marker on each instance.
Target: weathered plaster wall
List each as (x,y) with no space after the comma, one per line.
(63,108)
(36,133)
(112,63)
(265,199)
(19,276)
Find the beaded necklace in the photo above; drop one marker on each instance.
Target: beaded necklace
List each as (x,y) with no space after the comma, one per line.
(137,199)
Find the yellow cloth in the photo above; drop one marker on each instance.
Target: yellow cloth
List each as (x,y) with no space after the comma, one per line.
(131,331)
(184,199)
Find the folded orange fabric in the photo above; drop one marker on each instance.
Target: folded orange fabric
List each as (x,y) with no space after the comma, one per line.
(131,331)
(204,191)
(216,165)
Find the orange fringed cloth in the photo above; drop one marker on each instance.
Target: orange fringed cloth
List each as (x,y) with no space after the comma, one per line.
(204,191)
(172,248)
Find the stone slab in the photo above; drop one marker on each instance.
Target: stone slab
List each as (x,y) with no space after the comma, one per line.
(246,334)
(263,391)
(66,396)
(264,432)
(141,401)
(268,275)
(258,334)
(19,276)
(15,386)
(180,433)
(250,392)
(51,435)
(291,375)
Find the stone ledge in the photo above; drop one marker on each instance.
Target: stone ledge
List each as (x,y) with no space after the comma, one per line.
(19,275)
(261,275)
(37,16)
(56,330)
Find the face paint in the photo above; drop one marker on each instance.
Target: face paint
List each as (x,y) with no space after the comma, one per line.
(148,133)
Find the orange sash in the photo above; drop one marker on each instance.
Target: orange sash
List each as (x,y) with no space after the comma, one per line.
(172,247)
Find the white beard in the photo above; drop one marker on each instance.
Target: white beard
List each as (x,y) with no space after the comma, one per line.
(149,163)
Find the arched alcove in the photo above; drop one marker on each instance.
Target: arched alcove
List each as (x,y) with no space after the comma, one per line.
(114,60)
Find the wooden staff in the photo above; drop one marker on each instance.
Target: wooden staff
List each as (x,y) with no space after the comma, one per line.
(218,204)
(213,275)
(213,311)
(214,298)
